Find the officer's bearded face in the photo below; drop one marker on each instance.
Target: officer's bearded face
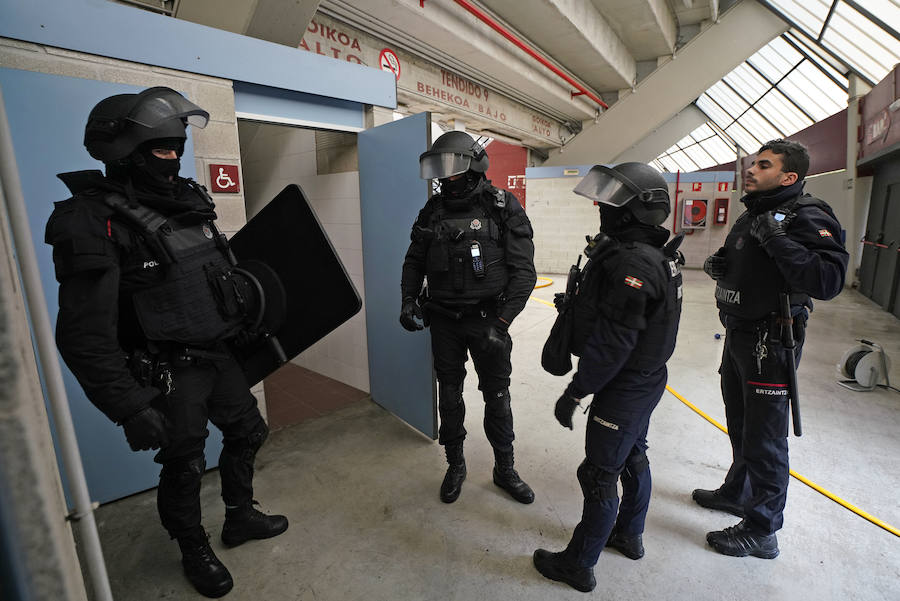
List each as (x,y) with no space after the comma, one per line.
(766,173)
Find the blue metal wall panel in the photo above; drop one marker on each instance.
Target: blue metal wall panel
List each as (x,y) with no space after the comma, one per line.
(48,135)
(108,29)
(391,195)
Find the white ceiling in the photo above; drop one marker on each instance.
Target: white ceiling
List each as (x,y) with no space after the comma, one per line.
(648,60)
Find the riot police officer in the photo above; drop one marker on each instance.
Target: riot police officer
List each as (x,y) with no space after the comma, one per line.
(786,242)
(474,243)
(626,311)
(149,303)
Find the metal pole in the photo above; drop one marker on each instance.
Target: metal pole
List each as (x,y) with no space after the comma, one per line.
(83,514)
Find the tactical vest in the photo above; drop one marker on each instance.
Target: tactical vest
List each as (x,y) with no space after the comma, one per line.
(656,342)
(200,300)
(752,283)
(450,265)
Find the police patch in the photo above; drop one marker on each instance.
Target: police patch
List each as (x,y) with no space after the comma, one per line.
(824,233)
(207,231)
(475,225)
(633,282)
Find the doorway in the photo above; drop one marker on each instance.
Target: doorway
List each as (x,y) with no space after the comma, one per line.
(333,373)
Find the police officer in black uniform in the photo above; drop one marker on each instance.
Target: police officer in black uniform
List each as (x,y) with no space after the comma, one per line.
(149,302)
(473,242)
(785,242)
(626,309)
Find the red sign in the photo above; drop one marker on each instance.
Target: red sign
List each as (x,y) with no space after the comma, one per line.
(723,186)
(697,187)
(224,178)
(389,62)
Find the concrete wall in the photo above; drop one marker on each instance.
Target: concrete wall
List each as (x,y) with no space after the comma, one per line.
(275,156)
(561,219)
(33,506)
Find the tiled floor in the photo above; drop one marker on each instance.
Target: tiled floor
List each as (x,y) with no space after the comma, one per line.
(295,394)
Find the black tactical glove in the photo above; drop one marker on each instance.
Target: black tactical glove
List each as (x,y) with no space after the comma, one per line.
(146,430)
(409,313)
(765,227)
(496,337)
(559,301)
(565,409)
(715,266)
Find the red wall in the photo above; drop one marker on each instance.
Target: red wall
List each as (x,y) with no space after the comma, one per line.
(507,167)
(879,124)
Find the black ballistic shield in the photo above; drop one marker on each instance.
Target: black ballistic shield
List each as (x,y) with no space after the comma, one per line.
(319,296)
(787,340)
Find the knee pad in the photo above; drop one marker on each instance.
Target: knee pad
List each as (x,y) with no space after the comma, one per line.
(183,471)
(450,396)
(249,444)
(496,403)
(597,484)
(637,464)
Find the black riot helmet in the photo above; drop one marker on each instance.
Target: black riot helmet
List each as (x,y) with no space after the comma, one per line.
(118,125)
(453,153)
(634,188)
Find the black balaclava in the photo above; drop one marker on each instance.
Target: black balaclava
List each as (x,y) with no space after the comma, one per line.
(613,219)
(152,173)
(620,224)
(459,194)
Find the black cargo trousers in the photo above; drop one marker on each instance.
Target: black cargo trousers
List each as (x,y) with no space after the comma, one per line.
(211,388)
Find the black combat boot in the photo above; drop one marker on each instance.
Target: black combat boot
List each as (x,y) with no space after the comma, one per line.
(741,540)
(456,472)
(713,499)
(559,567)
(246,522)
(201,566)
(508,479)
(631,546)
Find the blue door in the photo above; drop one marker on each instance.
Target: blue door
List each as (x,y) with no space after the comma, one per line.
(401,376)
(47,114)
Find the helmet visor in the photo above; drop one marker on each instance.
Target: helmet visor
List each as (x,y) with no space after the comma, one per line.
(606,186)
(444,164)
(162,104)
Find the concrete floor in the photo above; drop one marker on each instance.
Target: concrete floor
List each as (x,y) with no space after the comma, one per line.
(361,490)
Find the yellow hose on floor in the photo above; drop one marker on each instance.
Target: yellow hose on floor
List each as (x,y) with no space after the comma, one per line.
(549,283)
(799,477)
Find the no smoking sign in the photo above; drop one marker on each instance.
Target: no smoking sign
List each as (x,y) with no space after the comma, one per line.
(389,62)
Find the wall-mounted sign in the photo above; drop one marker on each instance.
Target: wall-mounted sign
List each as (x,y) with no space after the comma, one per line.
(389,62)
(697,187)
(224,178)
(723,186)
(423,85)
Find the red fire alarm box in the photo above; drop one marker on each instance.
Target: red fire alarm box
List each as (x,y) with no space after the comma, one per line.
(720,216)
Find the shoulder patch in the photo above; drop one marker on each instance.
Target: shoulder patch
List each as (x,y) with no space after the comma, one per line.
(823,233)
(634,282)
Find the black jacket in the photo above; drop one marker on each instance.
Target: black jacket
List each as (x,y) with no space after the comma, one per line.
(518,249)
(101,261)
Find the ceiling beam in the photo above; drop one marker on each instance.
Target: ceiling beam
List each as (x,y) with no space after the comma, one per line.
(707,58)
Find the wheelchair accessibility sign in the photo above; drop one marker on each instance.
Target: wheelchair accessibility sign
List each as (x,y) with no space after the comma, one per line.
(224,178)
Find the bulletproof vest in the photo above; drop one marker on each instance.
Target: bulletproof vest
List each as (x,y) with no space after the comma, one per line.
(200,300)
(466,260)
(656,342)
(750,288)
